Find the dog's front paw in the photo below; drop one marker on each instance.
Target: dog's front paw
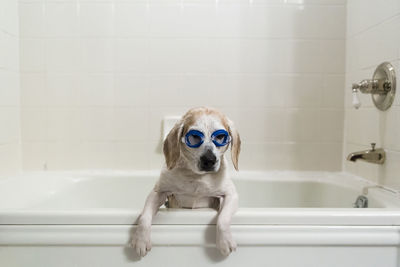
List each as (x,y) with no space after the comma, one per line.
(225,243)
(141,241)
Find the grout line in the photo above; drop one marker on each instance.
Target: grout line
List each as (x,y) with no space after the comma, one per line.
(113,37)
(386,20)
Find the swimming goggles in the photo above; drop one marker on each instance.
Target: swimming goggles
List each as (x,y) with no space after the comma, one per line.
(195,138)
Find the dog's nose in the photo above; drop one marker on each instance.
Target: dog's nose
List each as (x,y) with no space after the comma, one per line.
(207,161)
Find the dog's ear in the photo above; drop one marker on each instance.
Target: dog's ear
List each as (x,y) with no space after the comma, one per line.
(235,145)
(171,146)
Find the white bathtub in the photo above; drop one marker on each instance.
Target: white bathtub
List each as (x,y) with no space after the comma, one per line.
(285,219)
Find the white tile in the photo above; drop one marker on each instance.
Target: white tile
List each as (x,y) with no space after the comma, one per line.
(96,90)
(63,55)
(389,124)
(164,90)
(318,56)
(31,19)
(362,15)
(302,125)
(236,55)
(34,156)
(233,20)
(33,90)
(65,156)
(331,161)
(198,55)
(9,91)
(201,90)
(241,20)
(11,57)
(131,55)
(63,124)
(362,126)
(96,19)
(9,121)
(379,38)
(62,19)
(98,55)
(2,48)
(303,91)
(131,124)
(98,155)
(260,125)
(165,56)
(132,156)
(264,157)
(303,156)
(234,90)
(62,89)
(389,174)
(10,159)
(331,125)
(131,90)
(9,19)
(267,92)
(333,91)
(165,19)
(96,123)
(263,56)
(198,20)
(131,19)
(33,124)
(318,21)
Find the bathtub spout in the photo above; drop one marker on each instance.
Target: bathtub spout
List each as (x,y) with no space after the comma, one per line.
(373,155)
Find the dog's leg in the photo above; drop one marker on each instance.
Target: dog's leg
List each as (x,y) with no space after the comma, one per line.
(225,242)
(141,238)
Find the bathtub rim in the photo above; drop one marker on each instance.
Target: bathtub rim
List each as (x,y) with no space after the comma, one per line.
(199,235)
(244,216)
(250,216)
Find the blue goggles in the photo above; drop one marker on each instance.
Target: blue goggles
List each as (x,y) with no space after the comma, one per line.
(195,138)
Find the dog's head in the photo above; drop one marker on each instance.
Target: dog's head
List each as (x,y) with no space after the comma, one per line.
(201,138)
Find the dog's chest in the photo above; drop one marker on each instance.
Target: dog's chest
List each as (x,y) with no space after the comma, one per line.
(203,187)
(194,193)
(191,202)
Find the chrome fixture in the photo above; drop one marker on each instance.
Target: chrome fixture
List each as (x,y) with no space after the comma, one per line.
(361,202)
(382,87)
(372,155)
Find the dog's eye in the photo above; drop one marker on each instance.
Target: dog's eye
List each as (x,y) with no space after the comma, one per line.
(194,139)
(220,137)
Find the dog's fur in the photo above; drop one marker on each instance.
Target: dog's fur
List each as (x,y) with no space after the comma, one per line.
(186,185)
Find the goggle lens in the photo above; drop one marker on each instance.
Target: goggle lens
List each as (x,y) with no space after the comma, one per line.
(194,138)
(220,138)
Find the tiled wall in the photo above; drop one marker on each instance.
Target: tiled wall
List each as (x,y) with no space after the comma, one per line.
(373,36)
(98,77)
(9,89)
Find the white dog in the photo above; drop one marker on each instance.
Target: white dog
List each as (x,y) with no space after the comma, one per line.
(195,175)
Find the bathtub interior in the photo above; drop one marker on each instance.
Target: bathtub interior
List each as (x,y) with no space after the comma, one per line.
(55,191)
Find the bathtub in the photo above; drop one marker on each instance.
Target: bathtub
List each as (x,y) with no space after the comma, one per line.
(284,219)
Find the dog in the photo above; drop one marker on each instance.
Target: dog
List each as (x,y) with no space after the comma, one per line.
(195,175)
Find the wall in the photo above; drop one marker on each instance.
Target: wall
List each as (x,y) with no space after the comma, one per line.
(9,89)
(373,36)
(98,77)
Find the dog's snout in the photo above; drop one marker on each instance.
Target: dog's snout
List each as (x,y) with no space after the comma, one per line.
(207,161)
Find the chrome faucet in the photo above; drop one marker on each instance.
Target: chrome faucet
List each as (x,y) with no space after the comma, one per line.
(373,155)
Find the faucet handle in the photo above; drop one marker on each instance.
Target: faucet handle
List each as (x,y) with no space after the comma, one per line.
(373,146)
(356,102)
